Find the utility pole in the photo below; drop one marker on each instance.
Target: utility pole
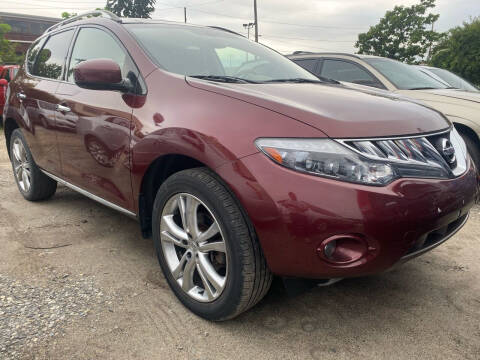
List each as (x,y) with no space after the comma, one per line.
(185,14)
(256,19)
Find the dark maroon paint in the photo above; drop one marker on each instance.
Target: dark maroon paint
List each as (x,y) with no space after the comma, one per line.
(98,71)
(216,125)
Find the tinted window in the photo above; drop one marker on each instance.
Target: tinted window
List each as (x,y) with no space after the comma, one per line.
(92,43)
(50,60)
(403,76)
(32,54)
(308,64)
(7,75)
(188,50)
(346,71)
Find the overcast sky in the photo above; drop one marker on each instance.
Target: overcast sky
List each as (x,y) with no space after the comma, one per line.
(286,25)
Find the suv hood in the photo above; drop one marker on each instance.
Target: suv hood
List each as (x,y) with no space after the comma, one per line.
(338,111)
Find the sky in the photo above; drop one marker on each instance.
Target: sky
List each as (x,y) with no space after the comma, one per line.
(285,25)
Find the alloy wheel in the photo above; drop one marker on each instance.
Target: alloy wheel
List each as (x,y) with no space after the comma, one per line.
(21,166)
(194,247)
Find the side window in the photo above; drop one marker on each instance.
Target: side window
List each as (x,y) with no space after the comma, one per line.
(94,43)
(50,60)
(7,75)
(32,54)
(308,64)
(346,71)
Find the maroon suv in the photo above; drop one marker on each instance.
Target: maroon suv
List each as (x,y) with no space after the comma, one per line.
(237,161)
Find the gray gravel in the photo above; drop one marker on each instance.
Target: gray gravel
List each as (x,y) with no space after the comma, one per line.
(31,314)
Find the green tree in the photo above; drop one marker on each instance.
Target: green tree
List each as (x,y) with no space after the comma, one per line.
(131,8)
(67,15)
(459,52)
(405,33)
(7,49)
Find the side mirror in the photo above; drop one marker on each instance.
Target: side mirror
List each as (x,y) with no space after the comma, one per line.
(3,83)
(101,74)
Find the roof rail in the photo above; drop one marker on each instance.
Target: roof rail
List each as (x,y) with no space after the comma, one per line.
(302,52)
(93,13)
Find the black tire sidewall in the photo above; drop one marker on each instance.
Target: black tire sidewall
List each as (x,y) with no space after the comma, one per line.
(473,150)
(229,300)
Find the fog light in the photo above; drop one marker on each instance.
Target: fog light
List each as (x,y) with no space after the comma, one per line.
(343,249)
(329,249)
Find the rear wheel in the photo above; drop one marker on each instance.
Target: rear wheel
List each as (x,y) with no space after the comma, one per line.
(32,183)
(208,252)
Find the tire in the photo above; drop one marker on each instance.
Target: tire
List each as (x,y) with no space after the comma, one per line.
(247,277)
(33,184)
(473,150)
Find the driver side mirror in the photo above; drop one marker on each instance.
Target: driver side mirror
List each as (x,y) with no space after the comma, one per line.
(3,83)
(101,74)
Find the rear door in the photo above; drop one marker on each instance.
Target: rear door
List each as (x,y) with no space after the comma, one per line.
(36,93)
(95,136)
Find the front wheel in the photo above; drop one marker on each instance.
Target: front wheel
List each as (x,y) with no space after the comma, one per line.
(208,252)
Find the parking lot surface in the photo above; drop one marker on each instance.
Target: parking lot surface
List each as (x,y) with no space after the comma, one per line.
(77,281)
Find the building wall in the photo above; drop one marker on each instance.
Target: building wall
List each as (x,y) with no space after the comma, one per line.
(25,28)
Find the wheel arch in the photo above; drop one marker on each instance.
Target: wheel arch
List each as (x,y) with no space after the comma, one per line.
(464,129)
(157,172)
(9,126)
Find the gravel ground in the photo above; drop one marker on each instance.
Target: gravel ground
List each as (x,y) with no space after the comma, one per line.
(77,281)
(31,314)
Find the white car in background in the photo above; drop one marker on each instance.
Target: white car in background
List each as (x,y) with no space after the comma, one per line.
(448,78)
(462,108)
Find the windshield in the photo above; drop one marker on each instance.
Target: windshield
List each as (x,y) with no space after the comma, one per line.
(403,76)
(452,79)
(214,54)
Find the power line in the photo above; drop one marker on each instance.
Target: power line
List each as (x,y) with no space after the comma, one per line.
(307,39)
(279,22)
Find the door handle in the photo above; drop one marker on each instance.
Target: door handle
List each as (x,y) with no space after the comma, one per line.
(63,109)
(21,96)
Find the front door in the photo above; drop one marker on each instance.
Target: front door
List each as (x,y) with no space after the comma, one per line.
(94,126)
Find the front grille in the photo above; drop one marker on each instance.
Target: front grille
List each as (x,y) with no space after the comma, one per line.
(428,151)
(434,238)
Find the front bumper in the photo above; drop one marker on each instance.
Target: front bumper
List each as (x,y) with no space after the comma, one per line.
(294,213)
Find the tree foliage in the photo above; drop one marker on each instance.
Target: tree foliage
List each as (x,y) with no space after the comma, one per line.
(67,15)
(405,33)
(459,52)
(131,8)
(7,49)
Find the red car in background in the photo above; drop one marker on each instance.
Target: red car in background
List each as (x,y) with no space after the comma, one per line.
(7,73)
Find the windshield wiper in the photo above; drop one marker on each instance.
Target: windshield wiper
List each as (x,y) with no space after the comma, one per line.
(295,80)
(302,80)
(424,88)
(331,81)
(223,78)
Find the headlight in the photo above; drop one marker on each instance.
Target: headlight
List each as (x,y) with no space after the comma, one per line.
(327,158)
